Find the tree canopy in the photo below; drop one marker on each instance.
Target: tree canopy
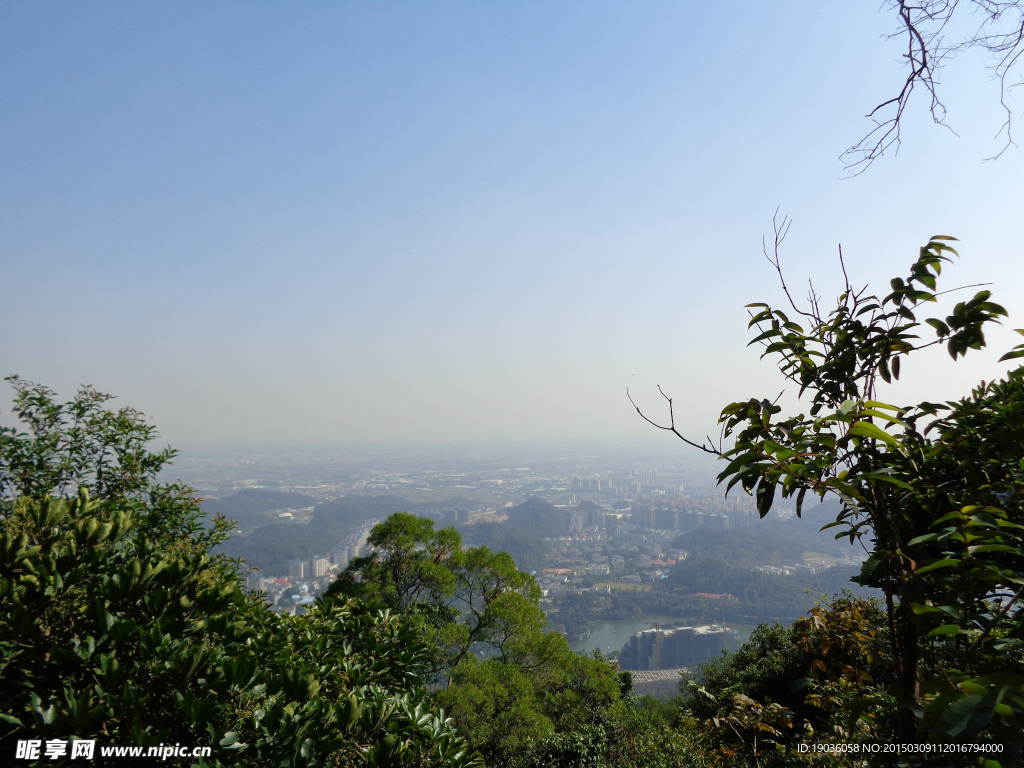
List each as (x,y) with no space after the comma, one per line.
(515,689)
(933,489)
(121,626)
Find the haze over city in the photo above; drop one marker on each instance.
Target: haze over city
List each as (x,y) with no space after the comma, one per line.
(271,225)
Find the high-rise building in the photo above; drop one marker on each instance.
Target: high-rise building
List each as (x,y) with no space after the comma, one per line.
(672,648)
(298,569)
(642,513)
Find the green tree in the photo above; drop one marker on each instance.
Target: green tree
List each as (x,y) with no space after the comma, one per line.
(935,488)
(464,601)
(576,713)
(121,626)
(80,443)
(515,690)
(792,686)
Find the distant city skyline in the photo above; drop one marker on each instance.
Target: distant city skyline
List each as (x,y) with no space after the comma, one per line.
(452,223)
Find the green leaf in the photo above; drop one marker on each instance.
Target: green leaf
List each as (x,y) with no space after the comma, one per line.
(869,430)
(883,370)
(875,413)
(230,738)
(765,496)
(1000,678)
(744,459)
(766,335)
(991,548)
(968,715)
(886,478)
(945,629)
(946,563)
(1012,355)
(882,406)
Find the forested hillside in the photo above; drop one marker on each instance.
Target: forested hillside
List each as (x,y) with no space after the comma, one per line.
(522,534)
(270,543)
(772,542)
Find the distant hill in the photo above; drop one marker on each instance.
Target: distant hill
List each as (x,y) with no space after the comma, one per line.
(770,542)
(538,517)
(271,545)
(251,507)
(522,534)
(726,562)
(353,509)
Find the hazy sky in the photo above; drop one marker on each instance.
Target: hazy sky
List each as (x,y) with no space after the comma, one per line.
(364,221)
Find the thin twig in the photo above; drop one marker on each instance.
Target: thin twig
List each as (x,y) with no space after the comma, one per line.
(923,24)
(842,265)
(781,230)
(1002,613)
(672,424)
(961,288)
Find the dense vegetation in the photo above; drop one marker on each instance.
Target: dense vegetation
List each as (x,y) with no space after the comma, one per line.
(253,508)
(516,690)
(120,626)
(935,492)
(824,680)
(124,626)
(771,542)
(726,562)
(754,597)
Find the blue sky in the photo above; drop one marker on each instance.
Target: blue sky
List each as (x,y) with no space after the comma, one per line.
(268,224)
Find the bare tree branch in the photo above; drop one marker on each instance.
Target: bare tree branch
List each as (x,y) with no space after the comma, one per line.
(672,425)
(846,278)
(781,230)
(924,26)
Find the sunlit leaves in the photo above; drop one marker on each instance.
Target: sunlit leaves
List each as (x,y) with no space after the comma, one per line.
(872,431)
(936,488)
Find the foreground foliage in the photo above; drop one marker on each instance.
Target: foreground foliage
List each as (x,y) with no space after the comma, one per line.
(822,681)
(120,626)
(934,490)
(516,691)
